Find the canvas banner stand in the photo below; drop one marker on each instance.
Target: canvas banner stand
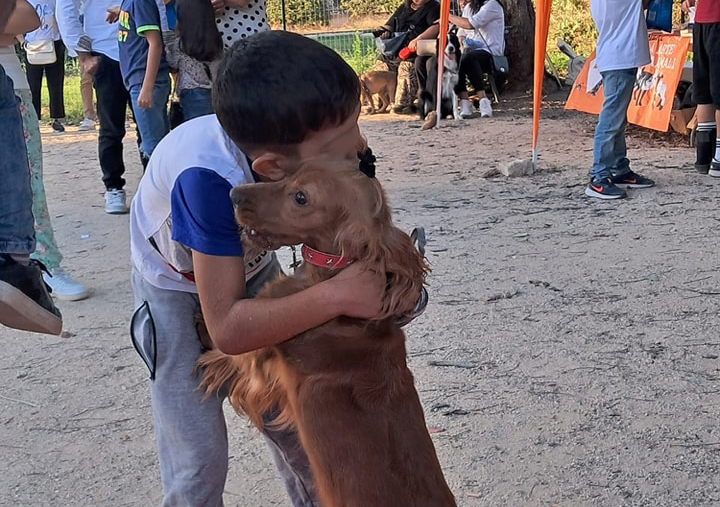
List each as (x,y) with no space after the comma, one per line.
(655,85)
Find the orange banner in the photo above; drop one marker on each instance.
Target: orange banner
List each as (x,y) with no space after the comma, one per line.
(655,85)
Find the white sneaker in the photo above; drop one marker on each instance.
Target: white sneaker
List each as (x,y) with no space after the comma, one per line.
(64,287)
(115,202)
(466,109)
(485,108)
(86,125)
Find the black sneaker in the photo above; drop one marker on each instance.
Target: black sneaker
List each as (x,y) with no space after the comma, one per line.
(632,180)
(57,126)
(604,189)
(714,169)
(25,302)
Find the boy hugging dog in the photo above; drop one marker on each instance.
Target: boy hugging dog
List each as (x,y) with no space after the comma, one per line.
(186,251)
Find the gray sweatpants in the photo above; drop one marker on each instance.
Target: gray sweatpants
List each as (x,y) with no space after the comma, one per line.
(190,432)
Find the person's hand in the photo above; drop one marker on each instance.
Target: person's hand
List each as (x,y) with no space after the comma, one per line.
(412,46)
(359,291)
(386,34)
(113,14)
(89,63)
(685,6)
(145,98)
(218,6)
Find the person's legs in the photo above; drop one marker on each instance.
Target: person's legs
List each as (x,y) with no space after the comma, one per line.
(55,75)
(475,64)
(112,99)
(34,75)
(152,122)
(196,102)
(86,92)
(421,71)
(607,150)
(46,250)
(190,430)
(706,126)
(24,300)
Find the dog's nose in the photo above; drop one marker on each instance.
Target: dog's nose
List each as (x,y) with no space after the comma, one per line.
(238,197)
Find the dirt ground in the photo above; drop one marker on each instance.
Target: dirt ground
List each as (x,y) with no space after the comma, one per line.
(569,351)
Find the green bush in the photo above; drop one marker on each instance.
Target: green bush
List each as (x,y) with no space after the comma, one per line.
(357,8)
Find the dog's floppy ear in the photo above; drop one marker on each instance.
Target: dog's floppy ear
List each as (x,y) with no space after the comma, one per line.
(404,266)
(387,249)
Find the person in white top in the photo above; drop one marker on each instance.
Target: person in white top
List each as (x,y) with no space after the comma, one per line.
(483,28)
(622,48)
(95,43)
(44,38)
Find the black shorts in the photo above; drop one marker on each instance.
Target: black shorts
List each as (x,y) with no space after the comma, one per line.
(706,63)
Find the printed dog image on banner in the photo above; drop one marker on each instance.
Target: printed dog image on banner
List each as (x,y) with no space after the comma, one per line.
(654,89)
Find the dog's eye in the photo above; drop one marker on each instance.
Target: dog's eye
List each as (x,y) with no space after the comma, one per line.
(300,198)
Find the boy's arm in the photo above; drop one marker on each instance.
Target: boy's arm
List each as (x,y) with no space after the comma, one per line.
(155,50)
(238,325)
(6,9)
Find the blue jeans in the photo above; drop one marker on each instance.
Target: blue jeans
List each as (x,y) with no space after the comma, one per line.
(16,219)
(152,122)
(610,150)
(196,102)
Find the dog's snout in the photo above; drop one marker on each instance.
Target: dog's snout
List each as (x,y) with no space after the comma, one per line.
(238,196)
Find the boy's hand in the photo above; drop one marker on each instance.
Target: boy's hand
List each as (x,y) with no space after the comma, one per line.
(145,98)
(89,63)
(113,14)
(359,291)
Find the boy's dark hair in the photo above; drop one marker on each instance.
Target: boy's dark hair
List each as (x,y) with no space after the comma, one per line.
(275,88)
(196,28)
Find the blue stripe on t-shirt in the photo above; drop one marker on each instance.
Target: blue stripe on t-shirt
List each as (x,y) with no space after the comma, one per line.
(202,213)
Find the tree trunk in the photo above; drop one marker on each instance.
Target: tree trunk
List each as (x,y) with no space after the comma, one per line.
(519,42)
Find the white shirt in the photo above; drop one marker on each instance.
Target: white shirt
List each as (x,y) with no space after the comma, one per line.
(183,203)
(11,64)
(101,36)
(489,26)
(48,29)
(622,34)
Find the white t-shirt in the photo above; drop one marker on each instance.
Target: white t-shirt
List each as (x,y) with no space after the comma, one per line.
(183,203)
(623,37)
(48,29)
(11,64)
(489,24)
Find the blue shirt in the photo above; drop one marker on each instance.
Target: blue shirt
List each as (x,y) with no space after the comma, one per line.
(136,18)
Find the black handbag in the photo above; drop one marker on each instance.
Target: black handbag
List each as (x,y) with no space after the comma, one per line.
(392,45)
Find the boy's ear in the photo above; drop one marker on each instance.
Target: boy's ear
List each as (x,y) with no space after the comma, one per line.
(270,166)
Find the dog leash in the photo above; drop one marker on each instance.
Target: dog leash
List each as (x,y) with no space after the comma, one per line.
(417,236)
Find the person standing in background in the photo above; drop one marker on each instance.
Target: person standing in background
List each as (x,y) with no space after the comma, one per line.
(46,249)
(45,37)
(95,43)
(706,83)
(24,299)
(622,47)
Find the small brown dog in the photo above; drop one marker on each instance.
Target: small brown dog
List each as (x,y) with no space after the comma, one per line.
(344,386)
(382,83)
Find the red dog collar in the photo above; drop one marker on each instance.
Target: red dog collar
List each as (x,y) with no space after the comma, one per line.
(324,260)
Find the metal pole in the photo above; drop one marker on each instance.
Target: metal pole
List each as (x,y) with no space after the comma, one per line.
(284,20)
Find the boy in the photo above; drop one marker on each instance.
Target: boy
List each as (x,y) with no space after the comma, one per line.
(186,250)
(144,69)
(622,47)
(706,84)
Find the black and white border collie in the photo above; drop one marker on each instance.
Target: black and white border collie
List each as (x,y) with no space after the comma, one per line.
(451,64)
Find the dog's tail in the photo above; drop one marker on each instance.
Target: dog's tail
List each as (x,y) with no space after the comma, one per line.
(251,384)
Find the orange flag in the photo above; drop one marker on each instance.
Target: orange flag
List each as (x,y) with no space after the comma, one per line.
(542,26)
(442,42)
